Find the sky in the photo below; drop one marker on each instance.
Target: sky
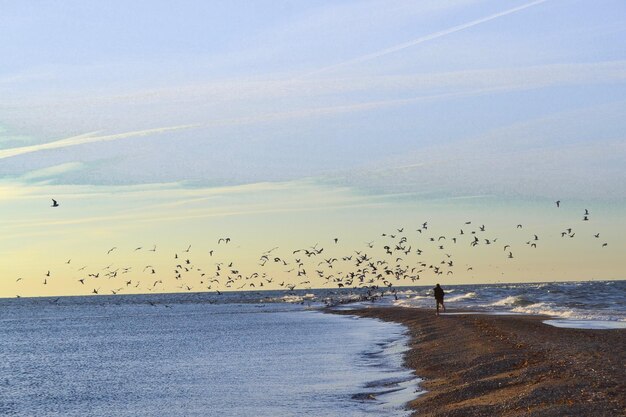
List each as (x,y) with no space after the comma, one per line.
(158,125)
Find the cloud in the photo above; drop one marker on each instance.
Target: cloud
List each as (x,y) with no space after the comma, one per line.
(85,138)
(52,171)
(156,203)
(425,38)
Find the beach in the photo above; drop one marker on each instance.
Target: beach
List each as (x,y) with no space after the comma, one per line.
(509,365)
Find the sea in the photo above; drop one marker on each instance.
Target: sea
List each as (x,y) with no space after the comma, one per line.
(270,353)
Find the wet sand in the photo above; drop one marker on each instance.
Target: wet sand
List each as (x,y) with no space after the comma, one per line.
(486,365)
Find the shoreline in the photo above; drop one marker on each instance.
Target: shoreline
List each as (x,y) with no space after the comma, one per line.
(509,365)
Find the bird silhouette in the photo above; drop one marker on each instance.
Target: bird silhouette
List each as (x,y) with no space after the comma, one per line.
(54,203)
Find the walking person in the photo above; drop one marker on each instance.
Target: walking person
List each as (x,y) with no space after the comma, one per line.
(439,294)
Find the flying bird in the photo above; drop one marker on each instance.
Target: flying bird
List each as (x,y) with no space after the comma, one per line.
(54,203)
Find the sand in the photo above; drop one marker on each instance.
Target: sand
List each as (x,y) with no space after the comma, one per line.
(486,365)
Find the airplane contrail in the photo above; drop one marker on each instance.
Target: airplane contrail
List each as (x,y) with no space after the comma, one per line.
(426,38)
(86,138)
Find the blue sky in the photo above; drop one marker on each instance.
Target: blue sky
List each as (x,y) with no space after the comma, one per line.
(508,103)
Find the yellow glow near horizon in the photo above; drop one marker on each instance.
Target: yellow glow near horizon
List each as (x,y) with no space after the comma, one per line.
(300,215)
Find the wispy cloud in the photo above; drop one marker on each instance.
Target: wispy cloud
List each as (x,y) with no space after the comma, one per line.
(84,139)
(45,173)
(172,202)
(425,38)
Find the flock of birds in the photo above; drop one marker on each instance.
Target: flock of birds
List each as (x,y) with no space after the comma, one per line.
(394,260)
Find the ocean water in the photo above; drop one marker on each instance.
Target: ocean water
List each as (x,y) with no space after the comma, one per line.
(270,353)
(176,355)
(593,304)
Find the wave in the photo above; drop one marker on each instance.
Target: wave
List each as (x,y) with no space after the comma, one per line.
(566,313)
(466,296)
(406,292)
(512,300)
(289,299)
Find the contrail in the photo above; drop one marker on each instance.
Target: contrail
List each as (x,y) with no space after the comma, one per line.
(86,138)
(426,38)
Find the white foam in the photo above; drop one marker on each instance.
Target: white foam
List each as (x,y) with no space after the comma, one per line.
(512,300)
(565,313)
(508,301)
(462,297)
(587,324)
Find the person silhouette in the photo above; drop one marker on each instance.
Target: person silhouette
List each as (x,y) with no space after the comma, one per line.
(439,294)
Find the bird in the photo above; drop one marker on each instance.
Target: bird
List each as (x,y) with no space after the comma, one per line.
(111,250)
(558,203)
(54,203)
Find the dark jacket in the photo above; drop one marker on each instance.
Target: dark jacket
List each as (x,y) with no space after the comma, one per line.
(439,293)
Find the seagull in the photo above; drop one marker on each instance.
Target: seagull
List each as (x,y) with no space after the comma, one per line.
(111,250)
(558,203)
(54,203)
